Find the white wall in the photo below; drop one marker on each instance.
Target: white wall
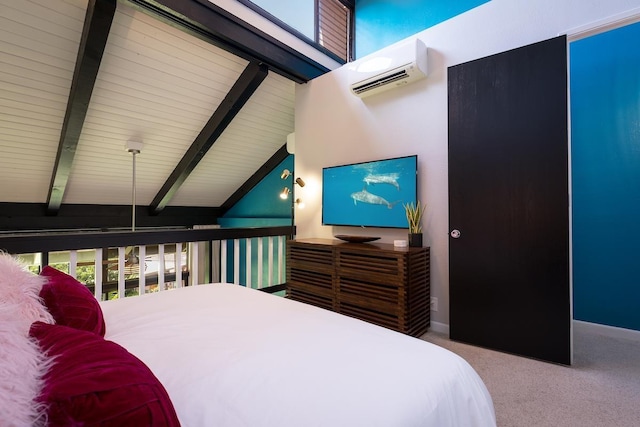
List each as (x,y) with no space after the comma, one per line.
(334,127)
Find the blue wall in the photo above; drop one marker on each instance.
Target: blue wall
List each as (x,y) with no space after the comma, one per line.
(605,132)
(260,207)
(380,23)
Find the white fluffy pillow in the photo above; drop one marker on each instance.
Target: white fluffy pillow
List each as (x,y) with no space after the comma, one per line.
(22,362)
(22,368)
(21,287)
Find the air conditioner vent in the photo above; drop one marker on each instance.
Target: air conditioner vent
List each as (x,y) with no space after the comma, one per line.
(392,67)
(402,74)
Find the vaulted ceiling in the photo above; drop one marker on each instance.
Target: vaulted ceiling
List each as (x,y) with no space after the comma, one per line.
(210,97)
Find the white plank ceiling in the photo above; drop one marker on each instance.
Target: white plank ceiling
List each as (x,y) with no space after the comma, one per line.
(155,84)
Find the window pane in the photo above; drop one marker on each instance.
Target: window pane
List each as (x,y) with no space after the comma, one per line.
(297,14)
(327,22)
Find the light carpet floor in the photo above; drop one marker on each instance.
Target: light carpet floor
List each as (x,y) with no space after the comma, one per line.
(600,389)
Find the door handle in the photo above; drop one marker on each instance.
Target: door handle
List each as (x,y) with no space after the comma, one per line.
(455,234)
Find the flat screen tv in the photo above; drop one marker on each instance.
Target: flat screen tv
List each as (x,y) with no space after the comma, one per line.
(369,194)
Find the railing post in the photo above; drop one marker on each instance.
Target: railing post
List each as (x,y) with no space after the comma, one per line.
(178,264)
(73,263)
(236,261)
(193,261)
(270,260)
(215,262)
(223,261)
(142,279)
(104,266)
(121,280)
(260,262)
(247,263)
(97,267)
(281,256)
(161,286)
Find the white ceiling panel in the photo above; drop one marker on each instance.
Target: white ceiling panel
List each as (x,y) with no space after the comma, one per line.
(38,48)
(158,85)
(257,132)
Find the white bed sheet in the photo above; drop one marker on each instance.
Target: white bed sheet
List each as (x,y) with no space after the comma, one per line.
(231,356)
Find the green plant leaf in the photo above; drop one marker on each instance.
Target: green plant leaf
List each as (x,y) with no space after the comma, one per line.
(414,212)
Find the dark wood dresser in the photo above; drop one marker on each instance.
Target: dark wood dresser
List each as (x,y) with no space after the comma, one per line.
(375,282)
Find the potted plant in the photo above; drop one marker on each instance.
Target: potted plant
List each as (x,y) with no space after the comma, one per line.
(414,217)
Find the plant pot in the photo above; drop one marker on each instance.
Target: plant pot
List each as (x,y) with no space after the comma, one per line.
(415,240)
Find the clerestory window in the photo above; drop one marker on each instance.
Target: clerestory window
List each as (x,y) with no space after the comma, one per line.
(327,24)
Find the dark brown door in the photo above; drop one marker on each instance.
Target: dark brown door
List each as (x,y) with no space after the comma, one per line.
(508,202)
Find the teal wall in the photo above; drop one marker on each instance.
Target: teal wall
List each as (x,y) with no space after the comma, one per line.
(260,207)
(380,23)
(605,133)
(262,202)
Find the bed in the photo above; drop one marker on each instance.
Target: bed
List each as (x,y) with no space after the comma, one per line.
(215,355)
(232,356)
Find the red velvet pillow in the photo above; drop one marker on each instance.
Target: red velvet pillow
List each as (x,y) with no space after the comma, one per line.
(97,382)
(70,302)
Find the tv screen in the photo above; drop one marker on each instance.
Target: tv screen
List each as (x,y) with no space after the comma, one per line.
(369,194)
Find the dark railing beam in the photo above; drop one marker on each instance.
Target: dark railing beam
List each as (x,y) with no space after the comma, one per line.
(49,242)
(15,217)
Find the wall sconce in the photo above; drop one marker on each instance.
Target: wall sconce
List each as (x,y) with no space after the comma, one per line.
(284,194)
(286,174)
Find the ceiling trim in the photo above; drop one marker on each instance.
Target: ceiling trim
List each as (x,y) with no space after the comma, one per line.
(261,173)
(97,23)
(221,28)
(243,88)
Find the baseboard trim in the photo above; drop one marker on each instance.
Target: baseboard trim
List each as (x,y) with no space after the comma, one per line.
(442,328)
(610,331)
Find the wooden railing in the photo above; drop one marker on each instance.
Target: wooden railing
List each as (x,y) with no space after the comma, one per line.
(252,257)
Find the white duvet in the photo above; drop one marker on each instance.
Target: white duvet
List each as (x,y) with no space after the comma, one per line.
(231,356)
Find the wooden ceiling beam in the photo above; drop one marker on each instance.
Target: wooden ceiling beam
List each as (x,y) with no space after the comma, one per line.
(217,26)
(97,23)
(243,88)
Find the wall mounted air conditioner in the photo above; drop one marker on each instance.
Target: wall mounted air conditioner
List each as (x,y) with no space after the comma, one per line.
(389,68)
